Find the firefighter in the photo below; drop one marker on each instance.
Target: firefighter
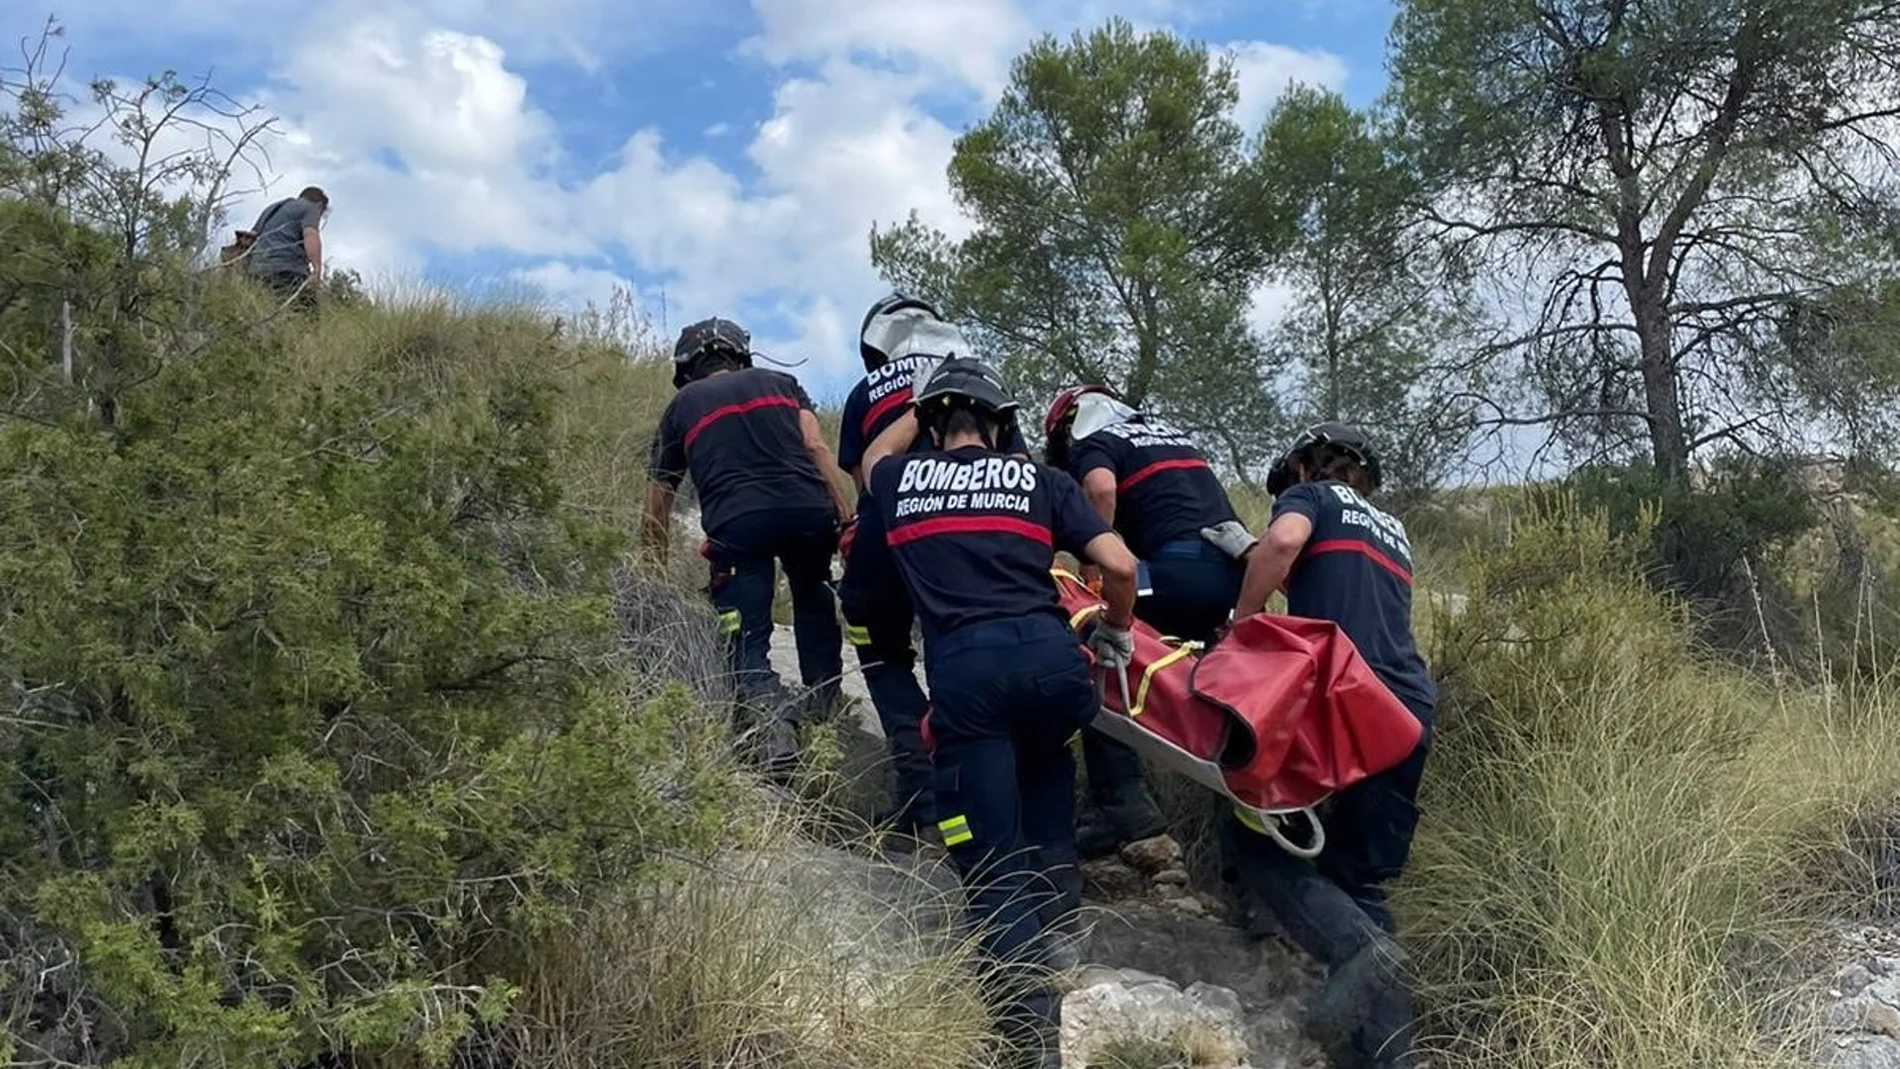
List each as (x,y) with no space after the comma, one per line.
(751,442)
(974,532)
(898,336)
(1341,558)
(1145,477)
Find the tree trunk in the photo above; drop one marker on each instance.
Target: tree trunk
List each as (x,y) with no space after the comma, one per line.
(1147,348)
(1662,401)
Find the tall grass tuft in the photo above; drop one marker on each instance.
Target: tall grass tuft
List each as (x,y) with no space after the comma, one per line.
(782,955)
(1626,851)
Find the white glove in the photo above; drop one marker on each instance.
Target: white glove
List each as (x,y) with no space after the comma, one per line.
(1231,538)
(1113,647)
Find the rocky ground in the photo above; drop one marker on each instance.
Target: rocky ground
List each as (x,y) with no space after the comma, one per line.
(1862,1018)
(1167,980)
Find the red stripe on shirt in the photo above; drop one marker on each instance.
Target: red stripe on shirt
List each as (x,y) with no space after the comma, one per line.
(739,409)
(1157,468)
(943,525)
(894,399)
(1348,545)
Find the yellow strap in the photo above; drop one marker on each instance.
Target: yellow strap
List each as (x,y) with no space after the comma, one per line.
(1086,612)
(729,621)
(1173,655)
(857,636)
(1248,818)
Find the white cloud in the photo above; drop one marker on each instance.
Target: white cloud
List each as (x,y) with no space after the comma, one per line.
(1265,71)
(568,284)
(425,140)
(417,117)
(970,41)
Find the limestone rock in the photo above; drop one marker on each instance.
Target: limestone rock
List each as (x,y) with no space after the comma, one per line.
(1111,879)
(1269,982)
(1866,1053)
(1154,856)
(1865,1015)
(1203,1024)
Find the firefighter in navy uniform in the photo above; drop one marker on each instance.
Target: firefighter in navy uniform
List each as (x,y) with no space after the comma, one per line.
(898,336)
(974,533)
(752,445)
(1341,558)
(1146,478)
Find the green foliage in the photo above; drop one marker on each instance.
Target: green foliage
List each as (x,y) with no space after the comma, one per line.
(1373,304)
(316,719)
(1677,182)
(1747,514)
(1119,232)
(1625,851)
(319,722)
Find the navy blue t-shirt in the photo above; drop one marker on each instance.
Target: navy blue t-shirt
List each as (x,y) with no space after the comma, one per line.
(737,435)
(1164,489)
(975,532)
(879,400)
(1356,571)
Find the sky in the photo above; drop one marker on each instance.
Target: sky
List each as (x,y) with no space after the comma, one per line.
(715,157)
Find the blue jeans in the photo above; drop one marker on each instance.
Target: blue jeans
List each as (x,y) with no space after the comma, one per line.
(743,553)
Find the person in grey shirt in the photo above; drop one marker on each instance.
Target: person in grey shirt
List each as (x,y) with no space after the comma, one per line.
(287,248)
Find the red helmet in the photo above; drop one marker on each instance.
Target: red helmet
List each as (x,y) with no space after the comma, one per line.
(1065,403)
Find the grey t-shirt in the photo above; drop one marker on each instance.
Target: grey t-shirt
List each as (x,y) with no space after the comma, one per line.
(279,246)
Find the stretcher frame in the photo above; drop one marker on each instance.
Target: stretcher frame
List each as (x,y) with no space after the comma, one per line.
(1207,772)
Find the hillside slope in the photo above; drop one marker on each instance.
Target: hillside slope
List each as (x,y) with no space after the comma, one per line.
(346,731)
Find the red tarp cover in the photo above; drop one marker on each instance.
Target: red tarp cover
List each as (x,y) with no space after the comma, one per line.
(1280,713)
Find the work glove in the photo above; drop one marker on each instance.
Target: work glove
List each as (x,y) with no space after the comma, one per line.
(1231,538)
(1114,649)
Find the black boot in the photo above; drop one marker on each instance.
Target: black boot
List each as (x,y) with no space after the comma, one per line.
(1362,1016)
(1133,814)
(820,704)
(1031,1028)
(1116,785)
(1095,837)
(780,748)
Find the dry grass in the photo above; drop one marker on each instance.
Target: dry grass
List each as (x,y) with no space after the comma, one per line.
(1192,1046)
(775,958)
(1626,851)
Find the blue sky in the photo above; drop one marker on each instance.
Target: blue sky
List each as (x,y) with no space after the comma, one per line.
(715,156)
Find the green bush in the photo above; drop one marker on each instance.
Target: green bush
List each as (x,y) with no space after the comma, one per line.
(319,722)
(1722,545)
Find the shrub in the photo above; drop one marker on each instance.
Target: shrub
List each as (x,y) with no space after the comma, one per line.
(1723,545)
(1624,848)
(321,723)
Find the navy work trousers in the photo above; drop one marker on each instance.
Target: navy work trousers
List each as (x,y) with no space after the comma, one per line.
(1195,587)
(1334,905)
(1005,698)
(878,617)
(742,554)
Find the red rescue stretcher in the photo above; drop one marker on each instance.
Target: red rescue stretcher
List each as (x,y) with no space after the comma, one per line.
(1277,716)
